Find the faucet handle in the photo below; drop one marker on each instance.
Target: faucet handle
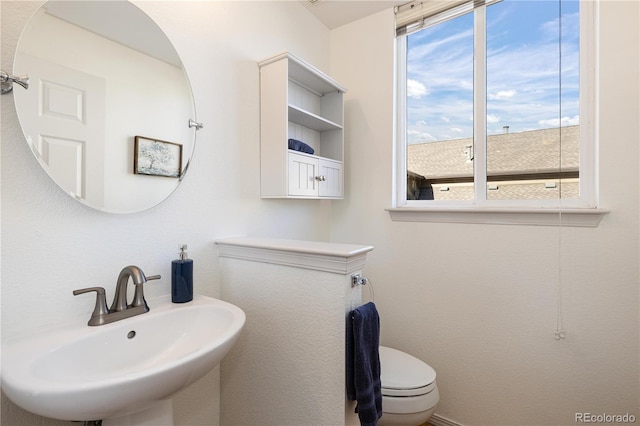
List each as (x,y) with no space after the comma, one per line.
(100,310)
(138,295)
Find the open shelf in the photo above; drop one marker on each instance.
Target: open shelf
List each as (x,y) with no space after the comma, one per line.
(311,120)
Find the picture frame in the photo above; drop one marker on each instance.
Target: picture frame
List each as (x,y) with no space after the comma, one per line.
(156,157)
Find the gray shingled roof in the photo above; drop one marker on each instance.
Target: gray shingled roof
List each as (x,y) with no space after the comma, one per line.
(535,151)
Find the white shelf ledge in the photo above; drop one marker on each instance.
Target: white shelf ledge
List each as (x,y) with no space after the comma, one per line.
(501,216)
(306,75)
(311,120)
(328,257)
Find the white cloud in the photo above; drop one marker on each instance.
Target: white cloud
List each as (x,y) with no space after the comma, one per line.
(502,95)
(564,121)
(465,84)
(445,119)
(492,118)
(456,130)
(415,89)
(418,136)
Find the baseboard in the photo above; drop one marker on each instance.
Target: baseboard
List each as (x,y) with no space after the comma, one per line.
(437,420)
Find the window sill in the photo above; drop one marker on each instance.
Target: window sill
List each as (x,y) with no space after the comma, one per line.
(574,217)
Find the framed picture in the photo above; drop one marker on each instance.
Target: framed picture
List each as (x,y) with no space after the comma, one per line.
(157,158)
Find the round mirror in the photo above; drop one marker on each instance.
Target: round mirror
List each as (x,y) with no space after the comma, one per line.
(108,110)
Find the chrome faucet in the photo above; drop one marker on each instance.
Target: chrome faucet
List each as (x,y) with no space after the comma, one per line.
(120,309)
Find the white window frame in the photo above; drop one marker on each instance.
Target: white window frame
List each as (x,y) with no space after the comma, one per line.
(564,212)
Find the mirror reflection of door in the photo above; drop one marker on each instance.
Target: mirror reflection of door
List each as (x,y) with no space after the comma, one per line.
(68,132)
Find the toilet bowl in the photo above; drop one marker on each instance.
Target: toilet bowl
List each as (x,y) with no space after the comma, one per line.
(409,391)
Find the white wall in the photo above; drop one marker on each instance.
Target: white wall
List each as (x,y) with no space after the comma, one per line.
(52,244)
(478,302)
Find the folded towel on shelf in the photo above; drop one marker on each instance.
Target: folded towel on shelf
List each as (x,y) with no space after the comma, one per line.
(363,363)
(297,145)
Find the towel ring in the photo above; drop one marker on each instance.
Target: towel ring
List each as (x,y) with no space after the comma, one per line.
(357,279)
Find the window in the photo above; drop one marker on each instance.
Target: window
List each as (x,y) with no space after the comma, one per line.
(495,104)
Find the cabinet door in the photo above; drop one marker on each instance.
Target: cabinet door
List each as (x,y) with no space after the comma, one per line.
(331,179)
(302,175)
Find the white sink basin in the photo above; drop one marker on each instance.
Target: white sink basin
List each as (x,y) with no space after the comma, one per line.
(92,373)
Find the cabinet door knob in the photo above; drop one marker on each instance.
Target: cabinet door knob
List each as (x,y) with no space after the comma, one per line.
(321,178)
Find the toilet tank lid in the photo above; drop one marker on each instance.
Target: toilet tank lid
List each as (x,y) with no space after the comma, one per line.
(399,370)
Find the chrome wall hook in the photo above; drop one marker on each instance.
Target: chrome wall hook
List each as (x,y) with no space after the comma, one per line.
(193,123)
(6,82)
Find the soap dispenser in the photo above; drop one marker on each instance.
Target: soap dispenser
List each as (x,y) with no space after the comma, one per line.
(182,278)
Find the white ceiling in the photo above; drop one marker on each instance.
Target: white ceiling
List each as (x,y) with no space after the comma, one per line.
(335,13)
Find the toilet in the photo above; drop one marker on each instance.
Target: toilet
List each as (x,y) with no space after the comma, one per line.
(409,391)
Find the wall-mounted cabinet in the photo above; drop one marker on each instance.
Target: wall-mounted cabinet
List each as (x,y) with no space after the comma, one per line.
(300,102)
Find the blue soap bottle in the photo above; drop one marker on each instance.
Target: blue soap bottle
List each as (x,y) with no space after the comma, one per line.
(182,278)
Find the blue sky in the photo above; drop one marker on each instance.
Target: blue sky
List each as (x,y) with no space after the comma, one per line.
(522,71)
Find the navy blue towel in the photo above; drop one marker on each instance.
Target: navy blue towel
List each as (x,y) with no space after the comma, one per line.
(363,363)
(300,146)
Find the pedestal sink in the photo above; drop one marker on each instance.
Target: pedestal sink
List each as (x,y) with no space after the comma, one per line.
(92,373)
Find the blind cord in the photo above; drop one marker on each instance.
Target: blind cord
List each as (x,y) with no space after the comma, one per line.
(559,333)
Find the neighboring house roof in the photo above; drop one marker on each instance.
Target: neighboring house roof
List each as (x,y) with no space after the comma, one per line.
(535,151)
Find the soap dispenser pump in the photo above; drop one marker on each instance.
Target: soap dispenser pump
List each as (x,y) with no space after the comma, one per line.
(182,277)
